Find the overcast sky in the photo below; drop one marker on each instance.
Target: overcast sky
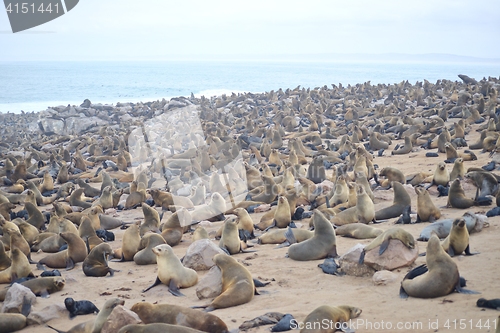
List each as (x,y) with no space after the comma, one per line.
(147,29)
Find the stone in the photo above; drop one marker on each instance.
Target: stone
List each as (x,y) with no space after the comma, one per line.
(384,277)
(395,256)
(349,262)
(199,255)
(210,285)
(119,317)
(15,297)
(48,313)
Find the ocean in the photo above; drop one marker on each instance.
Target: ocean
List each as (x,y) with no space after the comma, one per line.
(34,86)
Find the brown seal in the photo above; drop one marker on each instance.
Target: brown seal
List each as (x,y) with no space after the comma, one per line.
(172,314)
(383,240)
(277,236)
(458,239)
(401,200)
(76,252)
(457,199)
(145,255)
(441,176)
(130,243)
(171,271)
(151,220)
(358,230)
(158,327)
(334,317)
(40,286)
(442,276)
(321,245)
(96,263)
(237,284)
(363,212)
(19,268)
(426,210)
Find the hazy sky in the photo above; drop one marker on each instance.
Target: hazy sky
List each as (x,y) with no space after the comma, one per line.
(146,29)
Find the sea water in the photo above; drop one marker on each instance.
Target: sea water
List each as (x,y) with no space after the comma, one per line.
(34,86)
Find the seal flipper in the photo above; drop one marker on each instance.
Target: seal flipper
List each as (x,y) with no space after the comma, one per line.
(468,253)
(284,244)
(225,250)
(271,226)
(45,294)
(361,257)
(333,252)
(402,293)
(461,290)
(70,264)
(26,308)
(174,289)
(40,267)
(290,237)
(55,329)
(157,282)
(345,328)
(416,272)
(451,251)
(259,284)
(383,246)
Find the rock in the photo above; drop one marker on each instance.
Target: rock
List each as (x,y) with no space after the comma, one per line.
(48,313)
(210,285)
(349,262)
(395,256)
(70,279)
(119,317)
(199,255)
(14,298)
(52,125)
(384,277)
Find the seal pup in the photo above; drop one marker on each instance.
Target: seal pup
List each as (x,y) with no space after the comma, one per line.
(401,200)
(95,325)
(321,245)
(237,284)
(457,241)
(171,271)
(426,210)
(442,276)
(77,308)
(332,316)
(383,240)
(96,263)
(179,315)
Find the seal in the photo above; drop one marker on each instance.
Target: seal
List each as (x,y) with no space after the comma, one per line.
(12,322)
(215,208)
(77,308)
(171,271)
(363,212)
(426,210)
(41,286)
(457,199)
(76,252)
(151,220)
(230,240)
(406,148)
(5,260)
(96,263)
(245,221)
(442,228)
(19,268)
(441,176)
(458,170)
(458,239)
(146,256)
(332,315)
(179,315)
(401,200)
(358,230)
(130,243)
(237,284)
(95,325)
(321,245)
(393,175)
(486,183)
(277,236)
(383,240)
(442,276)
(199,233)
(158,327)
(75,199)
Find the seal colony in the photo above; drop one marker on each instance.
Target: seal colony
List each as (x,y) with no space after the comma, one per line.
(316,156)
